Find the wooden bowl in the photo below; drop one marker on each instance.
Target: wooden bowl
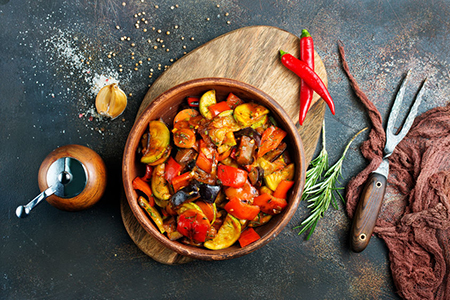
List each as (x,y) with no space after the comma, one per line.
(165,107)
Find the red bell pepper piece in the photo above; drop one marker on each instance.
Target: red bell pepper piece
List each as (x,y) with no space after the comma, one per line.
(219,107)
(241,209)
(204,163)
(231,176)
(181,181)
(172,170)
(269,204)
(313,80)
(248,236)
(270,139)
(225,154)
(207,209)
(306,55)
(282,189)
(245,192)
(193,224)
(233,100)
(141,185)
(233,153)
(209,151)
(193,101)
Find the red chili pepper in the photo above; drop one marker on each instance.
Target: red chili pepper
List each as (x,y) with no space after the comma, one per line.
(313,80)
(248,236)
(307,56)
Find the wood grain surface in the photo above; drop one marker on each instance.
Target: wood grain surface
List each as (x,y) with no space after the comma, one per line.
(251,55)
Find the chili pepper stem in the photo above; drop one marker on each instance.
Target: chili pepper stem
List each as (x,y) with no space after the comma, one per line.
(305,33)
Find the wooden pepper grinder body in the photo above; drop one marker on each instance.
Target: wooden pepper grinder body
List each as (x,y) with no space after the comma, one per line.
(94,172)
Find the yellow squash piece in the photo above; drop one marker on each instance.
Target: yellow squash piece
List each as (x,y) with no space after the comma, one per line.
(186,206)
(249,113)
(206,100)
(163,158)
(111,101)
(160,187)
(159,141)
(228,234)
(153,213)
(275,178)
(220,128)
(261,123)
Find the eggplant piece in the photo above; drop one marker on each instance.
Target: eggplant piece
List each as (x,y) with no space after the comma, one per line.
(255,176)
(185,156)
(246,151)
(286,158)
(209,192)
(250,132)
(187,193)
(190,165)
(203,177)
(275,153)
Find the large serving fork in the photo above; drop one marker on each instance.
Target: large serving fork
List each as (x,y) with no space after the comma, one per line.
(372,195)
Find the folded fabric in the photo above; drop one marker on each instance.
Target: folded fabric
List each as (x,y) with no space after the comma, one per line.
(414,220)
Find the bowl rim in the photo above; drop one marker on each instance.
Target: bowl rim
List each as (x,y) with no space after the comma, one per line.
(129,157)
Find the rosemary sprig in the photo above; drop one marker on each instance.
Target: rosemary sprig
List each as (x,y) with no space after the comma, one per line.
(316,167)
(322,190)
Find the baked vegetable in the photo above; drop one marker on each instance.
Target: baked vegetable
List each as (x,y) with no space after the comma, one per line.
(230,158)
(250,113)
(227,235)
(207,99)
(159,139)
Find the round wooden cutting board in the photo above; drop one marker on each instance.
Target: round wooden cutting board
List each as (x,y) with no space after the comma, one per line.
(250,55)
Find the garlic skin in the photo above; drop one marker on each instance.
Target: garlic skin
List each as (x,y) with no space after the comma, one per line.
(111,101)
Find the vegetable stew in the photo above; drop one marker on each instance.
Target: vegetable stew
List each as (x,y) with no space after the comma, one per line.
(220,169)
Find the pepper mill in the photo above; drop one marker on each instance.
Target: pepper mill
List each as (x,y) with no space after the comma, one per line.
(70,178)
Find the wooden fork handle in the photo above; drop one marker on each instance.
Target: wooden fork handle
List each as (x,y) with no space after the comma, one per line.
(367,211)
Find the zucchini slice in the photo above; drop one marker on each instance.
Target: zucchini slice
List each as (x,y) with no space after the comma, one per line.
(249,113)
(275,178)
(159,141)
(227,235)
(207,99)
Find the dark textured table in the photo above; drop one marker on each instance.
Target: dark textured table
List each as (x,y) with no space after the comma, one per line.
(54,55)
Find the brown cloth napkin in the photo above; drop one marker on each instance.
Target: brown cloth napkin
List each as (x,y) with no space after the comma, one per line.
(415,217)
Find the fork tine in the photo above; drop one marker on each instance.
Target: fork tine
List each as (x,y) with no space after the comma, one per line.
(413,112)
(396,107)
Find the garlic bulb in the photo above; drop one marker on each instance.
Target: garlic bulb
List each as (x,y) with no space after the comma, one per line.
(111,101)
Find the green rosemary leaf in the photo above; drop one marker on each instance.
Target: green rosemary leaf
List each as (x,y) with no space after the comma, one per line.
(320,187)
